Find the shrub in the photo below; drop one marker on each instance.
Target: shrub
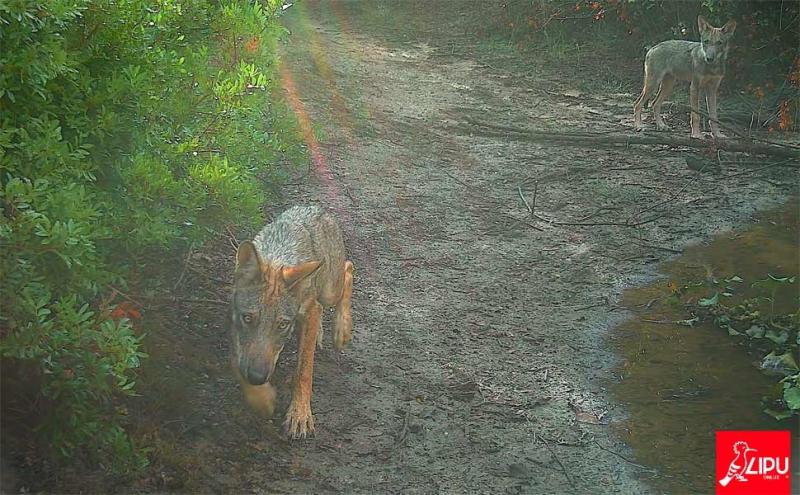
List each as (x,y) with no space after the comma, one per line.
(125,127)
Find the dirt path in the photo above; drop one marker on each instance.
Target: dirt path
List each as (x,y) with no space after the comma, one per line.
(478,361)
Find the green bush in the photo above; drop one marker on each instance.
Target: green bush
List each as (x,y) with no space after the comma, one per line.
(125,127)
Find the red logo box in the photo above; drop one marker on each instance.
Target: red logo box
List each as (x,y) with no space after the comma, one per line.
(753,463)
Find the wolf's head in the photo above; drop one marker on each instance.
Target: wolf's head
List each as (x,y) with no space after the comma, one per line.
(265,306)
(714,41)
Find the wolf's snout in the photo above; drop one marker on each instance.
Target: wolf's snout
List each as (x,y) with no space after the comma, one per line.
(257,372)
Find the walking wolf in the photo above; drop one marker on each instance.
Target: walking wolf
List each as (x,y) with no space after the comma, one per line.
(284,277)
(702,63)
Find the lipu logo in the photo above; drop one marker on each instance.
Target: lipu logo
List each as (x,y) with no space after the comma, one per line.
(753,462)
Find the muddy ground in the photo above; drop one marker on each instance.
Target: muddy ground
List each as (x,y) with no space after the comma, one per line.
(478,362)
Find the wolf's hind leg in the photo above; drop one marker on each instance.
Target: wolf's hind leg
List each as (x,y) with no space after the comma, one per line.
(343,322)
(663,93)
(651,85)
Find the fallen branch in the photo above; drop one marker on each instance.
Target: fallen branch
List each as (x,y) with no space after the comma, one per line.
(733,130)
(563,468)
(644,468)
(519,190)
(522,221)
(603,224)
(614,139)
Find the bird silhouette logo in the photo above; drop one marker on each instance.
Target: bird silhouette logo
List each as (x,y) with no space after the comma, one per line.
(738,465)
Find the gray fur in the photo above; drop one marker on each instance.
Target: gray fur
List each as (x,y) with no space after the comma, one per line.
(702,63)
(301,234)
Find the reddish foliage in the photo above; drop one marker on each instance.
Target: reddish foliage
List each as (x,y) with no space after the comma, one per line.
(251,46)
(785,122)
(126,309)
(794,75)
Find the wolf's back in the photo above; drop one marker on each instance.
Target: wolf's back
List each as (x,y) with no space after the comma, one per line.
(672,57)
(301,234)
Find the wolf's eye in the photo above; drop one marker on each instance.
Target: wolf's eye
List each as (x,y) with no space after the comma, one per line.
(284,324)
(247,318)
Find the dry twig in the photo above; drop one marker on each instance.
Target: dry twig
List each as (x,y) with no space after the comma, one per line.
(749,145)
(563,468)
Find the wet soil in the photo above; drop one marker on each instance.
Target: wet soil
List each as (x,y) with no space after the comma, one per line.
(487,273)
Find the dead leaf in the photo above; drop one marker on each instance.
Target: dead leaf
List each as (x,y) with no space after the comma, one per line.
(584,417)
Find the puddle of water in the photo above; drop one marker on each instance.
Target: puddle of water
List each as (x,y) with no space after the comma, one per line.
(681,384)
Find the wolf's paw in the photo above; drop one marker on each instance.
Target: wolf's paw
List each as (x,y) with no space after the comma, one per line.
(299,421)
(696,135)
(260,398)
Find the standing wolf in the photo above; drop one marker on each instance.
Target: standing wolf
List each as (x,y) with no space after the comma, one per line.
(702,63)
(292,269)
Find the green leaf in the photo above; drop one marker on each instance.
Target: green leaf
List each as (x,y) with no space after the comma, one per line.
(782,365)
(792,397)
(778,336)
(689,322)
(713,300)
(755,331)
(722,320)
(779,415)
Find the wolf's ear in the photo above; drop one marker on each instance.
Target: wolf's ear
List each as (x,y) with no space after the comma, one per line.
(702,24)
(248,265)
(293,274)
(729,27)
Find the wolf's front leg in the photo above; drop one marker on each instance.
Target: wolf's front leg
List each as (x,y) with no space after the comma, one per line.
(712,90)
(299,420)
(694,104)
(343,323)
